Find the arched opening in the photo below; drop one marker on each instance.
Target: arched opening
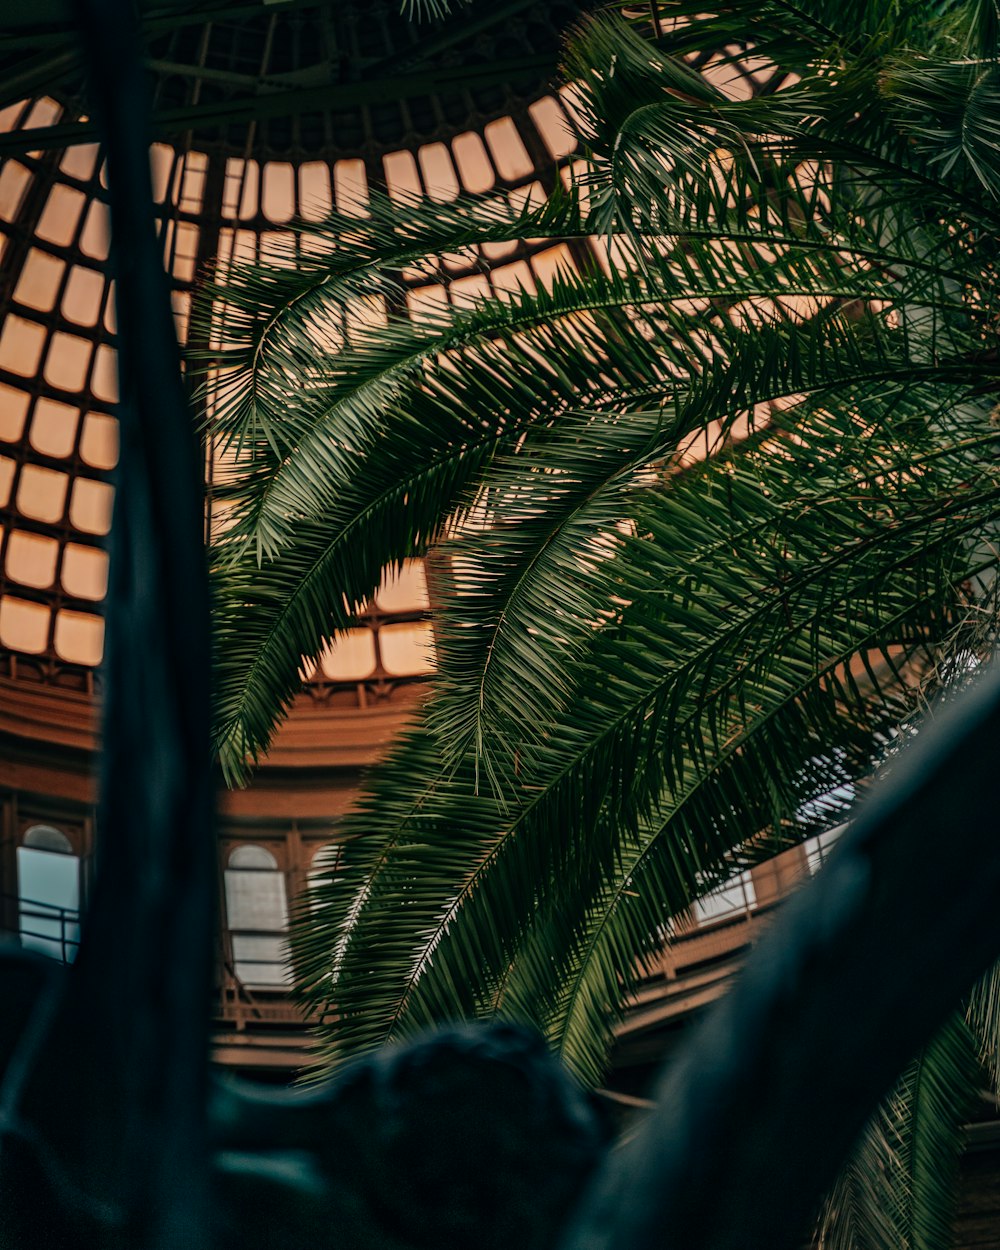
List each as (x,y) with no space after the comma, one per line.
(48,893)
(257,917)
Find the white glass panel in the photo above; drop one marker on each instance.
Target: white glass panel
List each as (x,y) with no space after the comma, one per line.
(729,899)
(255,900)
(49,899)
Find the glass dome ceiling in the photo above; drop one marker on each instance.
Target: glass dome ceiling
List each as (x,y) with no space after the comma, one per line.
(267,112)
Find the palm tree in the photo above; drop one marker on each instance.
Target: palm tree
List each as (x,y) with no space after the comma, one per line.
(654,667)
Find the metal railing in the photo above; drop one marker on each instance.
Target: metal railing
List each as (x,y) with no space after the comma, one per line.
(43,927)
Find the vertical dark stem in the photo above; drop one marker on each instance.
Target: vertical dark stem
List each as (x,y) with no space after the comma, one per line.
(137,1002)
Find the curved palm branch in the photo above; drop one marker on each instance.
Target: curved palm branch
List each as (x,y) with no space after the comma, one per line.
(649,668)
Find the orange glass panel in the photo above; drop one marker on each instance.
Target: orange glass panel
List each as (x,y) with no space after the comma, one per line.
(439,174)
(31,559)
(53,428)
(41,493)
(549,264)
(79,637)
(351,186)
(60,215)
(105,379)
(401,175)
(407,649)
(85,571)
(14,181)
(232,186)
(405,591)
(90,506)
(110,312)
(315,198)
(44,112)
(250,193)
(13,410)
(83,296)
(185,251)
(278,198)
(466,291)
(474,165)
(96,231)
(180,301)
(24,626)
(21,346)
(38,285)
(509,154)
(193,181)
(99,441)
(68,361)
(350,657)
(7,470)
(427,302)
(161,165)
(553,125)
(79,161)
(511,279)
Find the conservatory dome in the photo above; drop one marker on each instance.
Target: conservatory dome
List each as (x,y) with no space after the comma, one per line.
(264,113)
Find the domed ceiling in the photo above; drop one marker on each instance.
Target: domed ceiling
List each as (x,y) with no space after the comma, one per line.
(265,113)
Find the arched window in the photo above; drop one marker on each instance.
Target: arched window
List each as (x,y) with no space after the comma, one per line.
(257,914)
(48,893)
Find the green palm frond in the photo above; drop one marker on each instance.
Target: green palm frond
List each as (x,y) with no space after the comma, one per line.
(680,702)
(898,1189)
(653,669)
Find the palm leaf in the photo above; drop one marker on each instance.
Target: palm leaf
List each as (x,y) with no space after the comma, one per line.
(898,1189)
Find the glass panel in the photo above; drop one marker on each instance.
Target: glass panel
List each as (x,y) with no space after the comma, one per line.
(31,559)
(79,161)
(13,410)
(21,346)
(39,282)
(351,185)
(407,650)
(24,626)
(253,857)
(405,591)
(257,916)
(278,200)
(315,199)
(90,507)
(48,889)
(79,637)
(729,899)
(53,427)
(473,163)
(68,362)
(350,657)
(553,125)
(48,838)
(14,180)
(84,294)
(99,441)
(60,216)
(509,153)
(85,572)
(41,493)
(260,961)
(438,171)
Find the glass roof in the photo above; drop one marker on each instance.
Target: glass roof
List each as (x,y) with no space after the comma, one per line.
(228,192)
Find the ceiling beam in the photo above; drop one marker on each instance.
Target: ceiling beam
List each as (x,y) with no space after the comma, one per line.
(326,97)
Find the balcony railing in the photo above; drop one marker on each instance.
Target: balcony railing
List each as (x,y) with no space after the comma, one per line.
(44,927)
